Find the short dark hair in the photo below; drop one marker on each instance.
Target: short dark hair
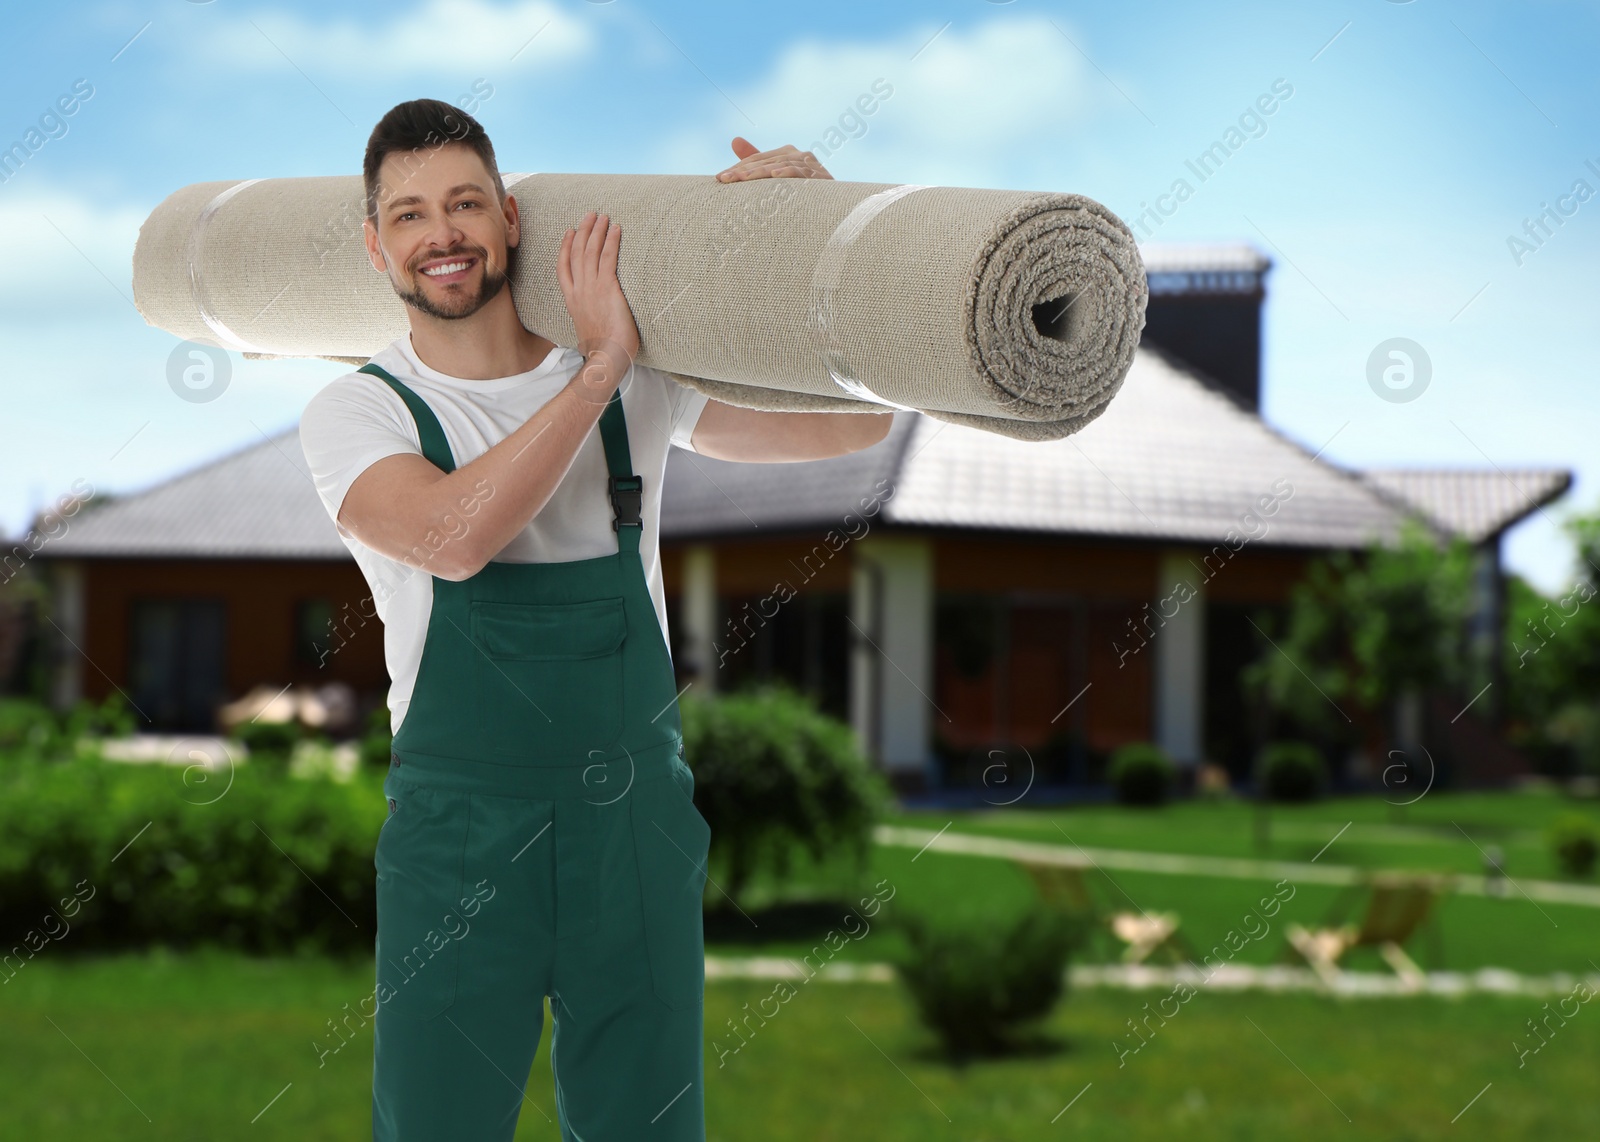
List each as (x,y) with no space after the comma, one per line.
(422,124)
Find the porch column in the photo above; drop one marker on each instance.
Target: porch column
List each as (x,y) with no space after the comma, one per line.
(891,659)
(699,613)
(67,601)
(1486,629)
(1179,667)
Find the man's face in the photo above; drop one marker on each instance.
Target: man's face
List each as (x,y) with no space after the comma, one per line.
(437,212)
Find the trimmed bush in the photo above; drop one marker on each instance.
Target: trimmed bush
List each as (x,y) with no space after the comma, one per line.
(978,986)
(377,744)
(112,717)
(1290,771)
(269,742)
(1576,844)
(32,730)
(1141,773)
(253,859)
(245,859)
(28,727)
(772,771)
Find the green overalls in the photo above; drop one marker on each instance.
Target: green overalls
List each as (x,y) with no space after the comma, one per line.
(542,840)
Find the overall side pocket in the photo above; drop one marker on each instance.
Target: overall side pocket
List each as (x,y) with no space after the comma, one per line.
(671,841)
(420,865)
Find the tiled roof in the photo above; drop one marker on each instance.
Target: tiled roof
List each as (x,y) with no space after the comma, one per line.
(706,497)
(1474,504)
(1171,458)
(256,503)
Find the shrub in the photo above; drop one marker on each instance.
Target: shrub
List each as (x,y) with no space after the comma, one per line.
(1290,771)
(771,772)
(244,860)
(377,744)
(977,986)
(1141,773)
(28,727)
(112,717)
(270,742)
(1576,844)
(32,730)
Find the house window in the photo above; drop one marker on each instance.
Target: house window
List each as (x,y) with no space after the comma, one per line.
(177,663)
(314,635)
(804,643)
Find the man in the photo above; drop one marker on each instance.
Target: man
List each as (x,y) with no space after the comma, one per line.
(542,839)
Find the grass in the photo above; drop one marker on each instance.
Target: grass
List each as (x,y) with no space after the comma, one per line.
(1443,832)
(209,1044)
(201,1043)
(1472,931)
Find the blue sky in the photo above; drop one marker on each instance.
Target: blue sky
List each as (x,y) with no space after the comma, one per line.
(1417,140)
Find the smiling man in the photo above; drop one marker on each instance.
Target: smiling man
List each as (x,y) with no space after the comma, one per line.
(502,496)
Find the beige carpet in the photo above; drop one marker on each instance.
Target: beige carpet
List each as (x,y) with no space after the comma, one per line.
(1016,312)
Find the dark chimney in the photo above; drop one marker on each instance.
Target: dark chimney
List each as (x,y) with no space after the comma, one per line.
(1205,307)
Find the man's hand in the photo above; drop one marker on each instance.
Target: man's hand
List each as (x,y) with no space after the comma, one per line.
(784,162)
(586,267)
(728,432)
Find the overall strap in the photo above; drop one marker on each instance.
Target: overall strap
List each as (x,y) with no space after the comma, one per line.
(626,488)
(434,445)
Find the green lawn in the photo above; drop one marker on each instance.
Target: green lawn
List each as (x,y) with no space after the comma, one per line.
(1473,931)
(211,1045)
(202,1043)
(1421,836)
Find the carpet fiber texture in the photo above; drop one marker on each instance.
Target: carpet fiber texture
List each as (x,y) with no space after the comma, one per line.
(1016,312)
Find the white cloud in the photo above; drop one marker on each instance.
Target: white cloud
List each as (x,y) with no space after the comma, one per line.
(440,36)
(67,242)
(970,98)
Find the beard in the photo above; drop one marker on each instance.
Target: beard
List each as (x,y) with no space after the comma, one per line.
(457,303)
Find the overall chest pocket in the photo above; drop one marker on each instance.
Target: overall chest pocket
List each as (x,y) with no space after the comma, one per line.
(547,677)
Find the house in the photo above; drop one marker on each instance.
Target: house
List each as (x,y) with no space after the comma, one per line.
(954,594)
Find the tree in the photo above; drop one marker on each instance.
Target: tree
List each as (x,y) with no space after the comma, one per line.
(1552,661)
(1365,635)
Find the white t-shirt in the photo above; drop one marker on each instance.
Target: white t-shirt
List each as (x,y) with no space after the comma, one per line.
(358,419)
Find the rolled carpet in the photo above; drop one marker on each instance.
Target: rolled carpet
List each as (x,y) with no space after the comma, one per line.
(1016,312)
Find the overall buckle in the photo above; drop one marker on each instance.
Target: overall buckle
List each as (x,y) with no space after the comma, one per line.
(627,501)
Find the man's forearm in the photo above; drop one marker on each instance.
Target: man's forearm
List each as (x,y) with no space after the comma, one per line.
(514,480)
(728,432)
